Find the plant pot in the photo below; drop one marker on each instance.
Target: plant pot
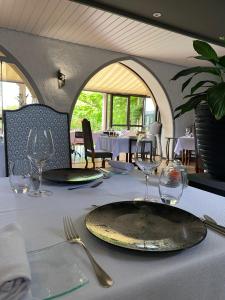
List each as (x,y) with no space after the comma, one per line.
(210,141)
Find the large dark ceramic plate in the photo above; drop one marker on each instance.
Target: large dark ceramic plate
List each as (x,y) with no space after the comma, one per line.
(72,176)
(146,226)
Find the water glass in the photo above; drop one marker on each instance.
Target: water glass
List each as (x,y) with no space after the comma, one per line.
(170,185)
(19,175)
(177,163)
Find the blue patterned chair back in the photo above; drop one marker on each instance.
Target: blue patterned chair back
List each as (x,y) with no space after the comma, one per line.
(17,125)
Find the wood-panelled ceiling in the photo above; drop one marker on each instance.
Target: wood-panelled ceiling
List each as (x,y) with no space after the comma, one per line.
(82,24)
(117,79)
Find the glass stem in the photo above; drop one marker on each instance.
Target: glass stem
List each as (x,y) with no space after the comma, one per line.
(40,177)
(146,187)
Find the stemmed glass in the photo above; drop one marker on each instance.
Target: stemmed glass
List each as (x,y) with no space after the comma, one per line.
(148,156)
(187,132)
(40,148)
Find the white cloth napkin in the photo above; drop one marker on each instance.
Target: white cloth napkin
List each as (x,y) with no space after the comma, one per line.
(121,165)
(15,274)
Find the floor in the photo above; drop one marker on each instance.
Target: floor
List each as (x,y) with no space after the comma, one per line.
(78,161)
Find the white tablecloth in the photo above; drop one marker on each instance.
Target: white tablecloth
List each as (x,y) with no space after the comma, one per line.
(73,140)
(2,160)
(194,274)
(116,145)
(184,143)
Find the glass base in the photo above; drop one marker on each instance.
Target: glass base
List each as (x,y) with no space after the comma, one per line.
(149,199)
(169,200)
(41,193)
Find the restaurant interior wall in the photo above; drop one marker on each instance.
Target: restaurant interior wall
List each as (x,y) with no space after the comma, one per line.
(42,57)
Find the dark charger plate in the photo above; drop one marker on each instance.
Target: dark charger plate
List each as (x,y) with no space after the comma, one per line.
(72,176)
(146,226)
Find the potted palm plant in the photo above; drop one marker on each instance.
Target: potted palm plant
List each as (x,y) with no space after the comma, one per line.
(207,98)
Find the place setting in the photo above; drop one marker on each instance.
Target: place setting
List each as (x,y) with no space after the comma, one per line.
(73,179)
(145,224)
(30,276)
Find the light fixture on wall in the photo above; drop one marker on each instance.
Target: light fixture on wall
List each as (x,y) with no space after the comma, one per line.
(61,79)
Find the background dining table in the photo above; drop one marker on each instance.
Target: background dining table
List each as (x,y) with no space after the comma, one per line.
(195,273)
(184,146)
(115,144)
(184,143)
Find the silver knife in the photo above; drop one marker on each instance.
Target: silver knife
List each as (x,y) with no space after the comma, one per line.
(89,186)
(214,227)
(211,220)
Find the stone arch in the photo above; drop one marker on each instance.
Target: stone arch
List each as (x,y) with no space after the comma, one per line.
(28,79)
(155,86)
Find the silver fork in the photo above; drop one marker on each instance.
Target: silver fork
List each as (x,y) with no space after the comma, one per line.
(73,237)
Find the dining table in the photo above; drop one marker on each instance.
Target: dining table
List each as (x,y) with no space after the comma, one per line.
(75,140)
(184,146)
(117,145)
(196,273)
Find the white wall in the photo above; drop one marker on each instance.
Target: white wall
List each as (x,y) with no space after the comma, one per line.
(40,58)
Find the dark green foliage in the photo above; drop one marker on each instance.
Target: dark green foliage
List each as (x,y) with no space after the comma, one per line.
(212,91)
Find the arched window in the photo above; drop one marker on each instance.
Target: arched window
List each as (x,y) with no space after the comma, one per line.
(15,90)
(116,98)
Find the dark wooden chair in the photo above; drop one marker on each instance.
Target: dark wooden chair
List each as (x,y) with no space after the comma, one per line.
(199,168)
(89,146)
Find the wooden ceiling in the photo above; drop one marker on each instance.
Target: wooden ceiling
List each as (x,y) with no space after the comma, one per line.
(202,19)
(81,24)
(117,79)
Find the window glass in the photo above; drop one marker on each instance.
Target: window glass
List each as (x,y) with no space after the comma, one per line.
(89,106)
(136,111)
(119,113)
(150,111)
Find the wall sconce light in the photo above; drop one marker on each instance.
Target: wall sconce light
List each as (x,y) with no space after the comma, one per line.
(61,79)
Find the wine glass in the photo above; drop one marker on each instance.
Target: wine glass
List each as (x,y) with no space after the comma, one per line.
(187,132)
(148,156)
(40,148)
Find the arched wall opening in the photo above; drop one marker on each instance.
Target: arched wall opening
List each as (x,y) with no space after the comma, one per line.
(16,86)
(155,87)
(7,57)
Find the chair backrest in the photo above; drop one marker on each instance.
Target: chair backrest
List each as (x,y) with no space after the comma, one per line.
(17,125)
(88,140)
(199,167)
(155,128)
(79,134)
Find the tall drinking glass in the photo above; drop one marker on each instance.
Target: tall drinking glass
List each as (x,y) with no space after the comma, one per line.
(148,156)
(40,148)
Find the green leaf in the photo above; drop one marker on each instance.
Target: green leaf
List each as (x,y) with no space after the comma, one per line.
(198,94)
(216,100)
(186,83)
(222,61)
(213,61)
(204,49)
(196,70)
(189,105)
(201,84)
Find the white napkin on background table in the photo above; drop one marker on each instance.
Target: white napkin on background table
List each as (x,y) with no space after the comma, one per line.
(121,165)
(15,274)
